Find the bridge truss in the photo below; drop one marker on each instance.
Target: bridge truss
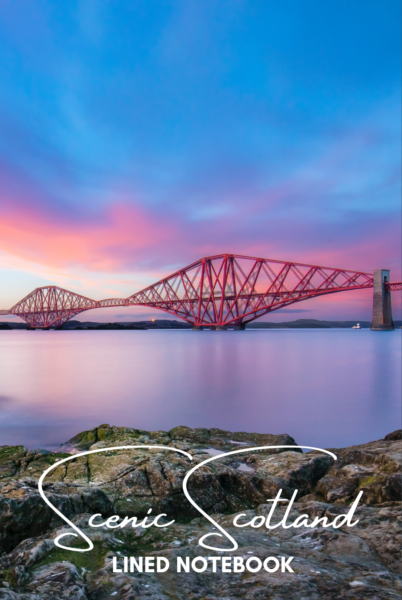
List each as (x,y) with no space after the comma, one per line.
(216,291)
(229,289)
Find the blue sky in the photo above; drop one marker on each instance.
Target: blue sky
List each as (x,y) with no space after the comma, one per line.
(138,136)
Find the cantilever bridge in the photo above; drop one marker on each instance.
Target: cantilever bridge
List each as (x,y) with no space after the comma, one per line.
(216,292)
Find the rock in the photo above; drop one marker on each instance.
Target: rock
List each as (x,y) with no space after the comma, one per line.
(395,435)
(140,480)
(362,562)
(379,527)
(217,438)
(18,575)
(326,561)
(190,435)
(10,460)
(288,471)
(23,513)
(137,480)
(134,481)
(17,461)
(85,439)
(28,552)
(58,581)
(372,468)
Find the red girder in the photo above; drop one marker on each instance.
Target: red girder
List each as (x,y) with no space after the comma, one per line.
(221,290)
(393,287)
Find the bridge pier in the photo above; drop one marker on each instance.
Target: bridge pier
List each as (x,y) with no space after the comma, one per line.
(382,309)
(197,328)
(240,327)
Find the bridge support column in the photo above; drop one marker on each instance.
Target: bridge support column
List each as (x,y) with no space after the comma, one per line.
(382,310)
(220,328)
(240,327)
(197,328)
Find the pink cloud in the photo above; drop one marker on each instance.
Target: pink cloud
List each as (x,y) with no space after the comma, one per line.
(116,239)
(126,237)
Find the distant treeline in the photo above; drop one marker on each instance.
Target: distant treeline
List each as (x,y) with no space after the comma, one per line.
(174,324)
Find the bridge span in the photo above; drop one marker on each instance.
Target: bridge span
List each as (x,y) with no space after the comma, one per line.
(219,291)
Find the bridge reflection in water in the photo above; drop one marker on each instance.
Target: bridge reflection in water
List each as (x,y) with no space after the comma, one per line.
(219,291)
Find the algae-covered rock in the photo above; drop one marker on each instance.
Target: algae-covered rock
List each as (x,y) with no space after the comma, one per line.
(139,479)
(85,439)
(10,460)
(327,563)
(195,438)
(189,435)
(372,468)
(132,481)
(362,562)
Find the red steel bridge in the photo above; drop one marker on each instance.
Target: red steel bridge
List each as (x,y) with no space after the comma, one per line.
(216,292)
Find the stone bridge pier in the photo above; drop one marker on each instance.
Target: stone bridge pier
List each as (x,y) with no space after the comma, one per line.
(382,309)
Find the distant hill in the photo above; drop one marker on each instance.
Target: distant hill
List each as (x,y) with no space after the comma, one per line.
(7,325)
(157,324)
(174,324)
(308,324)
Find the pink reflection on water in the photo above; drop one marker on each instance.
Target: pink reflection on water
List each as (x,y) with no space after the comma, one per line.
(326,388)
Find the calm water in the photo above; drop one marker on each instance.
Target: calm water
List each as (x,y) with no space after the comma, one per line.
(327,388)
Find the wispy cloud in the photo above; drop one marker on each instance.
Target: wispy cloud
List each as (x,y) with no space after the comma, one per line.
(133,142)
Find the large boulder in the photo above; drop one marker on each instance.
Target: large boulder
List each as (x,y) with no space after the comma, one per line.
(395,435)
(137,480)
(24,514)
(373,468)
(132,481)
(58,581)
(288,471)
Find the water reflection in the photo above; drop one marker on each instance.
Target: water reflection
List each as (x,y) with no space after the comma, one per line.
(326,388)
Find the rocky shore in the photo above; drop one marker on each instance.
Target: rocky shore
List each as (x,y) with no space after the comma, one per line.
(362,562)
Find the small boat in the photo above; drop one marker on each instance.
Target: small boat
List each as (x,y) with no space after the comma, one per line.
(356,326)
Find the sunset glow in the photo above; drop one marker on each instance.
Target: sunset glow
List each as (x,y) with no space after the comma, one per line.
(136,140)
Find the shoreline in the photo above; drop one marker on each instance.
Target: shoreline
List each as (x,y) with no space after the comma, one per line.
(172,324)
(134,483)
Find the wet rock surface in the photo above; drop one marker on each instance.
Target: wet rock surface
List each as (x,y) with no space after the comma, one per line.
(362,561)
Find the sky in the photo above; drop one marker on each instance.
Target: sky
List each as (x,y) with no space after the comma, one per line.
(138,136)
